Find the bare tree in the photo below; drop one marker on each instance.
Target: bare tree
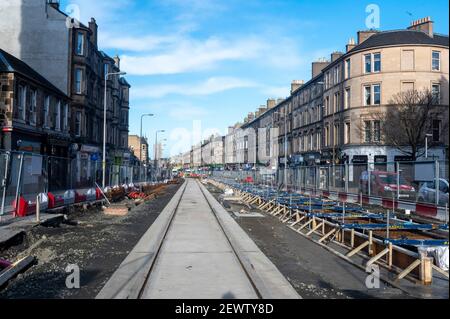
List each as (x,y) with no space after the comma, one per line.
(407,120)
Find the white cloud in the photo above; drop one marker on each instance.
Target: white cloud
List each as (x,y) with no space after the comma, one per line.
(135,44)
(191,55)
(210,86)
(183,113)
(103,11)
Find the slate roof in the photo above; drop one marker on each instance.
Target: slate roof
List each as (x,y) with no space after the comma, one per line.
(395,38)
(11,64)
(402,37)
(123,81)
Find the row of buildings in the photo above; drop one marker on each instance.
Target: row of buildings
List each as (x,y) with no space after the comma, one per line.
(330,118)
(54,80)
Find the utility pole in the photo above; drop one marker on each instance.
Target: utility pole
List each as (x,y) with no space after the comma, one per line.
(140,147)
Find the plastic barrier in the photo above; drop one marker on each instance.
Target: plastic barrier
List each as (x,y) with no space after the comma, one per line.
(69,197)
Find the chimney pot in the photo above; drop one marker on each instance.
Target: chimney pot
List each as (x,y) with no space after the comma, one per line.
(425,25)
(117,61)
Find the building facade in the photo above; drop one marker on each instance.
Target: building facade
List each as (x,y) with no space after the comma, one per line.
(364,80)
(34,118)
(330,118)
(196,161)
(213,154)
(36,33)
(92,73)
(66,53)
(139,147)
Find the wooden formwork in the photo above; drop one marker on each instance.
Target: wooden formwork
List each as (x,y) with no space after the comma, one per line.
(403,262)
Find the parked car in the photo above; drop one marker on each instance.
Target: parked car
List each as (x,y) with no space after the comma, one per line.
(384,184)
(248,180)
(427,193)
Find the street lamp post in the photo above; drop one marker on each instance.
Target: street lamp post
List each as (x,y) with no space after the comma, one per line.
(156,145)
(140,139)
(140,147)
(104,125)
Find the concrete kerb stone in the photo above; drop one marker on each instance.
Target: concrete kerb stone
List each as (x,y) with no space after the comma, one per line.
(127,281)
(268,280)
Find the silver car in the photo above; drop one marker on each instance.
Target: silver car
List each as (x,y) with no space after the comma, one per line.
(427,193)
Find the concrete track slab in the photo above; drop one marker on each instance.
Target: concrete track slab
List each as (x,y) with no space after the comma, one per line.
(196,260)
(195,250)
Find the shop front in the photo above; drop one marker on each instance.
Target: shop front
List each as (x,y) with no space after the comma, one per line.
(86,166)
(57,163)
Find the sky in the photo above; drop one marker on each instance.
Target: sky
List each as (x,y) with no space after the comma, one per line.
(203,65)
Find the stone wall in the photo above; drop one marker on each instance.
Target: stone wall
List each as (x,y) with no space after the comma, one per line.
(6,98)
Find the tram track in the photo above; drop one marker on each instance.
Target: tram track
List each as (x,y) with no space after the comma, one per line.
(197,251)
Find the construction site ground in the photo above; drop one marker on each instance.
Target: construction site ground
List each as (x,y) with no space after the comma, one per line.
(313,271)
(97,243)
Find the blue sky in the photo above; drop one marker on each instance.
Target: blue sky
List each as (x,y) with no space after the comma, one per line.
(214,61)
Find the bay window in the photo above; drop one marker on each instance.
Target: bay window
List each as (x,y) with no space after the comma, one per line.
(436,61)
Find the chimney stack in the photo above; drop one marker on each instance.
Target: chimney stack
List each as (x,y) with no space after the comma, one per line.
(54,4)
(336,55)
(94,29)
(425,25)
(296,84)
(364,35)
(262,109)
(271,103)
(351,44)
(318,66)
(117,61)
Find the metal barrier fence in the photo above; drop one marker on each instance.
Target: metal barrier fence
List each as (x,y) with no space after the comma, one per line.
(419,182)
(25,175)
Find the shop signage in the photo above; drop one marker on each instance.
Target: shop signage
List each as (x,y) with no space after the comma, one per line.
(89,149)
(380,159)
(360,159)
(30,147)
(403,158)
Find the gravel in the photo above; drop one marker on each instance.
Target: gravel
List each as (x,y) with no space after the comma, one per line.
(95,242)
